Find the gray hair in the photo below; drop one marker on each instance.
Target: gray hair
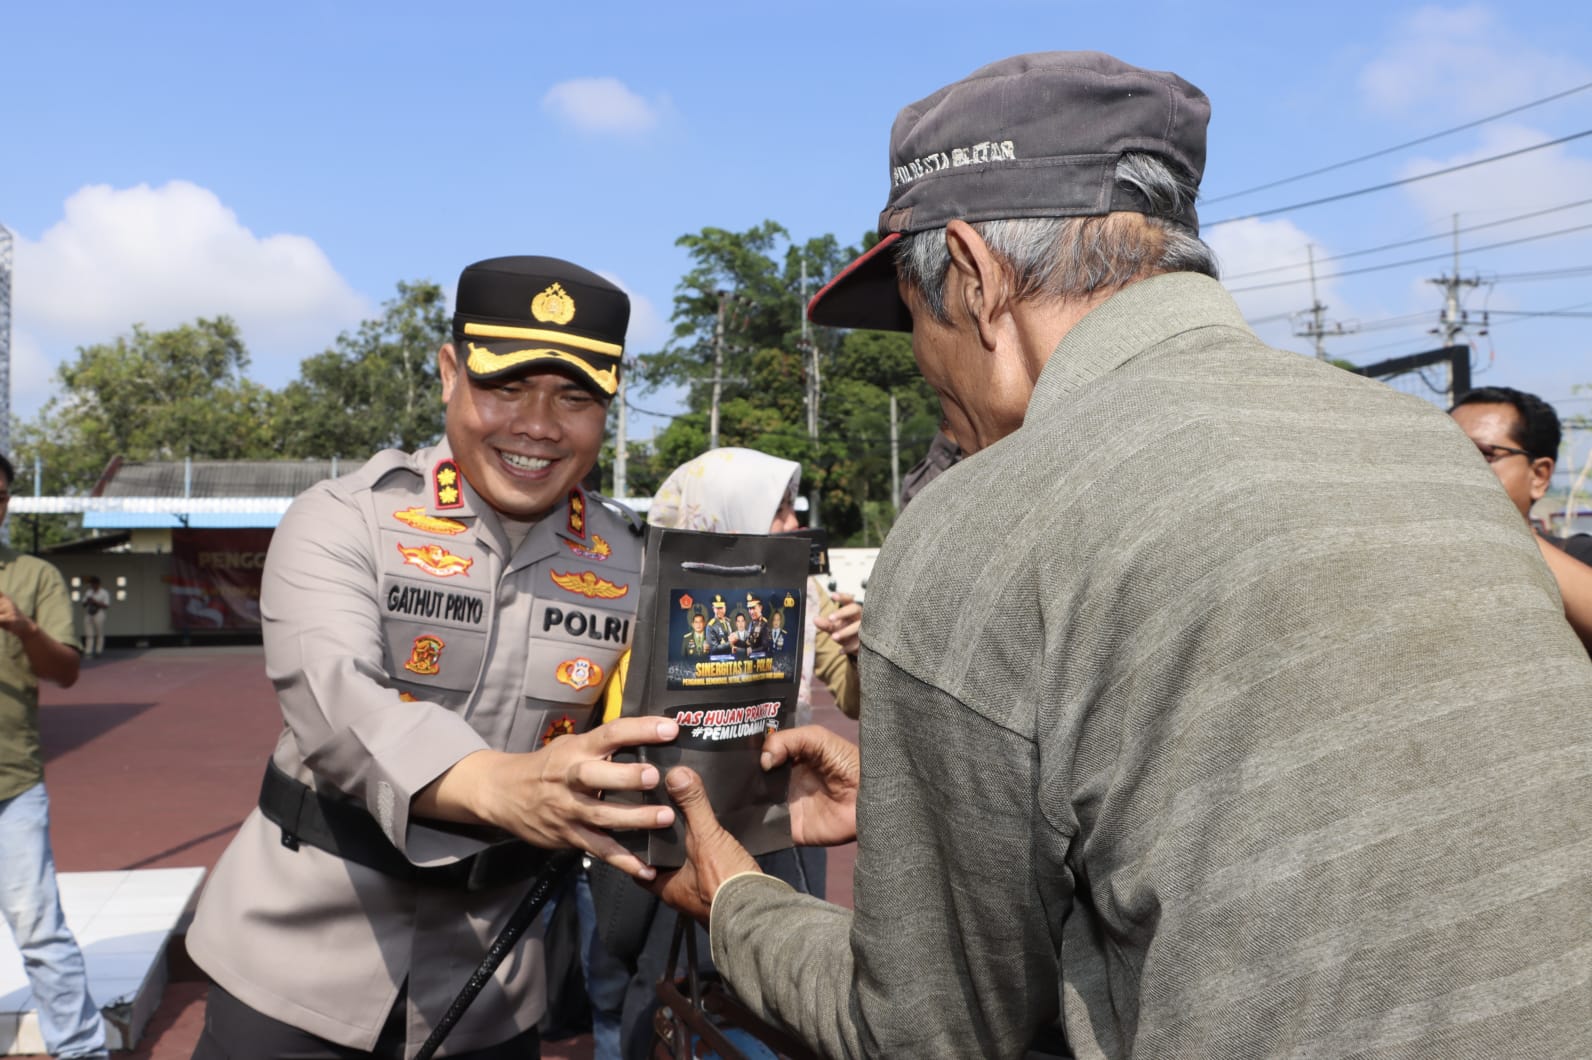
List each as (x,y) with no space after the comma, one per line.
(1069,257)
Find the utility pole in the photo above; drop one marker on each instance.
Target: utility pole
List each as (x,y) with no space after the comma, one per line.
(1454,318)
(810,356)
(1318,328)
(621,444)
(6,245)
(718,373)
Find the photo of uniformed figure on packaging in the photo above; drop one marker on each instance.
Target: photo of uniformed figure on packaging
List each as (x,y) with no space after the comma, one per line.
(723,637)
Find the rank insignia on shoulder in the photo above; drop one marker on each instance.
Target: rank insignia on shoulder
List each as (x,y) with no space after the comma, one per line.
(579,673)
(588,585)
(435,560)
(445,489)
(560,726)
(417,518)
(600,550)
(425,657)
(577,513)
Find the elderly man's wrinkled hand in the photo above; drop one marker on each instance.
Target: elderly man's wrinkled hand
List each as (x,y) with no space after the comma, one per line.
(712,854)
(826,772)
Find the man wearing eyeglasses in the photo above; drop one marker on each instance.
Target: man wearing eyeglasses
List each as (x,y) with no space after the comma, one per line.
(1518,435)
(38,643)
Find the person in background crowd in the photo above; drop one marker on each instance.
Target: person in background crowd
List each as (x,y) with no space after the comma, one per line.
(38,644)
(1518,434)
(1216,705)
(943,452)
(96,602)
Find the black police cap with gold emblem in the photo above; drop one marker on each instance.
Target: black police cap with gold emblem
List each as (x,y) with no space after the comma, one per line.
(515,314)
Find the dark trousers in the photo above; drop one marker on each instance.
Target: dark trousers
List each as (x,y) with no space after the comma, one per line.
(234,1031)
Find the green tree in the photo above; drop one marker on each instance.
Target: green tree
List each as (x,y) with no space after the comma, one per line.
(161,395)
(376,388)
(743,299)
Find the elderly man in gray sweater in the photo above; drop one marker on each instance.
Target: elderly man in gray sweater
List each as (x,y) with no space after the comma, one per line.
(1218,704)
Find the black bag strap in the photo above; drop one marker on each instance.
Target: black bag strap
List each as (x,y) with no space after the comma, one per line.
(343,828)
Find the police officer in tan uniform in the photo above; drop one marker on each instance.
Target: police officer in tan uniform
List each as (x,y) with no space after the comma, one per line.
(434,623)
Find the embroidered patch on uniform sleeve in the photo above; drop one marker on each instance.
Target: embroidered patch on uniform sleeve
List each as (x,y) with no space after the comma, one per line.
(435,560)
(589,585)
(577,513)
(564,725)
(432,524)
(445,485)
(579,673)
(599,552)
(426,656)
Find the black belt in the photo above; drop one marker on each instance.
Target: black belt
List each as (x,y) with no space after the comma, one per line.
(343,828)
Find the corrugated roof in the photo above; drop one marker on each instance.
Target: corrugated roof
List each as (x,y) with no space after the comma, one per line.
(219,478)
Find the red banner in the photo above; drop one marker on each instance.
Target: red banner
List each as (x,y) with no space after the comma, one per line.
(215,582)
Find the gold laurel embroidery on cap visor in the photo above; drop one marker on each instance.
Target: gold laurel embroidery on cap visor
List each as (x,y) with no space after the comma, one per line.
(563,338)
(484,362)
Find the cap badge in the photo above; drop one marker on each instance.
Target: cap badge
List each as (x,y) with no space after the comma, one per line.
(553,306)
(589,585)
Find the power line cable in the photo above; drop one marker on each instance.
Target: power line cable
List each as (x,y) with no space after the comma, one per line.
(1399,147)
(1410,261)
(1408,242)
(1399,183)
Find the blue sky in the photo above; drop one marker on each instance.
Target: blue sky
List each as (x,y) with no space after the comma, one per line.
(290,163)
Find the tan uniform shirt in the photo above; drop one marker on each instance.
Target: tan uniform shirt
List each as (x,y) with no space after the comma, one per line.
(39,592)
(401,635)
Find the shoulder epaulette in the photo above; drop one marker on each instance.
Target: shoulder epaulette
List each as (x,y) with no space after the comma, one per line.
(636,523)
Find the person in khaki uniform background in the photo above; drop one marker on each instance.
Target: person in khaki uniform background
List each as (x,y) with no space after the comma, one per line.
(434,623)
(38,643)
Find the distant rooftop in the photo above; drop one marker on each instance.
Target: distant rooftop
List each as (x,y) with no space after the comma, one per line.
(216,478)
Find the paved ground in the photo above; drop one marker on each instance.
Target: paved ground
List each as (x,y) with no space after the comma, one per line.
(153,759)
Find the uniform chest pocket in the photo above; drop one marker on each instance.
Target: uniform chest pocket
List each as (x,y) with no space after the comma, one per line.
(435,637)
(561,672)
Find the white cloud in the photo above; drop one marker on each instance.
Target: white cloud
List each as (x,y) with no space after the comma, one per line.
(1258,253)
(164,256)
(603,105)
(1461,62)
(1540,179)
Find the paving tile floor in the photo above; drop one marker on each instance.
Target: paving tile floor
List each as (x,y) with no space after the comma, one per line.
(153,759)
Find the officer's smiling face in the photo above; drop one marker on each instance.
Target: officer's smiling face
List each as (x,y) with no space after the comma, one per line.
(522,443)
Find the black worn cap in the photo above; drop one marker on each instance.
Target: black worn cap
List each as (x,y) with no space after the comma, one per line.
(1035,135)
(515,314)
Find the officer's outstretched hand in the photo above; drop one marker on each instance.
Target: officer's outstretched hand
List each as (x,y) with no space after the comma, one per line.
(825,773)
(549,798)
(712,854)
